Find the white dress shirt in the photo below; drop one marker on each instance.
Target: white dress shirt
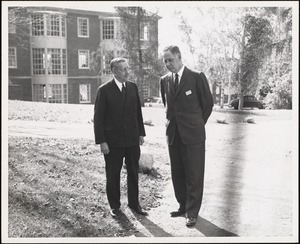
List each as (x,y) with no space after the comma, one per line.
(179,73)
(119,84)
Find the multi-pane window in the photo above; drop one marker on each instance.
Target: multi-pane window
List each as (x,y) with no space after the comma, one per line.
(83,59)
(65,93)
(38,61)
(12,57)
(37,24)
(53,23)
(106,63)
(64,61)
(63,26)
(146,90)
(85,93)
(11,22)
(53,61)
(144,32)
(108,29)
(83,27)
(56,93)
(39,93)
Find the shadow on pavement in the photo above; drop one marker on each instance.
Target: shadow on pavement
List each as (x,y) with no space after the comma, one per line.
(155,230)
(210,230)
(126,224)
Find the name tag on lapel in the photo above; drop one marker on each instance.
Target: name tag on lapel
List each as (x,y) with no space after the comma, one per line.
(189,92)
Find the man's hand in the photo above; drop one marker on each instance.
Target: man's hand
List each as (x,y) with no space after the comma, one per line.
(104,148)
(141,140)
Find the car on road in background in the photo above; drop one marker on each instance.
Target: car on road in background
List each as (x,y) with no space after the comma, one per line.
(249,102)
(155,102)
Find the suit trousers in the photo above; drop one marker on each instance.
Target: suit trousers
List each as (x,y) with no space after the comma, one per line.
(187,169)
(113,166)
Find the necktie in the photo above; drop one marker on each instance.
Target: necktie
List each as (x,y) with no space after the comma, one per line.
(176,81)
(123,90)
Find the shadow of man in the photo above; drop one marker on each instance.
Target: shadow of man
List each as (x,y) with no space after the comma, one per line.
(211,230)
(128,226)
(154,229)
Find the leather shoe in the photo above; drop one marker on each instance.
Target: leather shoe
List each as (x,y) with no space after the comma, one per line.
(190,221)
(177,213)
(114,212)
(139,210)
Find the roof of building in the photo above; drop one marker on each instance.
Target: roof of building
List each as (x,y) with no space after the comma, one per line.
(78,11)
(69,10)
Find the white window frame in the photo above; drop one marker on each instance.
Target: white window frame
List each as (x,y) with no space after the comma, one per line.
(146,90)
(54,61)
(79,29)
(104,35)
(88,89)
(38,61)
(14,57)
(88,58)
(64,67)
(52,29)
(42,25)
(144,31)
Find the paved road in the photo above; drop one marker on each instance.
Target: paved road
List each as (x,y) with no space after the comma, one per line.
(248,184)
(248,180)
(50,129)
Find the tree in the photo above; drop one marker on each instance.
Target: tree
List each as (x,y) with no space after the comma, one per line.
(232,46)
(142,53)
(137,40)
(276,74)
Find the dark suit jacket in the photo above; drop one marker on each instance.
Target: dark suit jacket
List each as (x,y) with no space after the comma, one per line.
(117,122)
(188,108)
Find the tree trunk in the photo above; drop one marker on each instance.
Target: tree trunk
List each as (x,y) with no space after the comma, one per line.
(222,94)
(241,61)
(229,87)
(140,58)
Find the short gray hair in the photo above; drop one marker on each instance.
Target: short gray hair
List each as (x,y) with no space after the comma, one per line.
(116,61)
(173,50)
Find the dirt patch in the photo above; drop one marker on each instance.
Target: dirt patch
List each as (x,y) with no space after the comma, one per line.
(57,189)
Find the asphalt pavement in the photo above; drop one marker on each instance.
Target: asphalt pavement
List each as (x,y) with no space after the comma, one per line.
(250,190)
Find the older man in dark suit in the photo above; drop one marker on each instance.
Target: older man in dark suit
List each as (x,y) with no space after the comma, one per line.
(119,129)
(188,101)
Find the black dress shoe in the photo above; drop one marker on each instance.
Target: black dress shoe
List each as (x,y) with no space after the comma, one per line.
(114,212)
(190,221)
(139,210)
(177,213)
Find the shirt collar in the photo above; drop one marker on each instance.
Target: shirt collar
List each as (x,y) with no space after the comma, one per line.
(179,72)
(119,84)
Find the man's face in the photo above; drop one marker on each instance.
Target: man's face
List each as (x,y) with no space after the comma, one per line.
(172,61)
(121,71)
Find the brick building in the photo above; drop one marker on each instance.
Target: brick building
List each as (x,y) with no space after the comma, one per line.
(50,52)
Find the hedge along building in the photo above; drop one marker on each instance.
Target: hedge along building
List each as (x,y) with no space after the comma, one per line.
(51,53)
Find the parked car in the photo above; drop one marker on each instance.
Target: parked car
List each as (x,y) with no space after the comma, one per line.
(153,102)
(249,102)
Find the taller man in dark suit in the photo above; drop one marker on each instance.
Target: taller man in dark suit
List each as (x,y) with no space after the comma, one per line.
(119,129)
(188,101)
